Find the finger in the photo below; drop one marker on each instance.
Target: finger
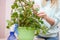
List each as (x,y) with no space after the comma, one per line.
(41,15)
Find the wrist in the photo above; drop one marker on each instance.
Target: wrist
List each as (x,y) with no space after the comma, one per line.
(45,17)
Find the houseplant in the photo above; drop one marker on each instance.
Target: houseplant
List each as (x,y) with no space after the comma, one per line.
(24,15)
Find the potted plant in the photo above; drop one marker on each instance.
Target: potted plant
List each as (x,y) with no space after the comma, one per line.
(23,14)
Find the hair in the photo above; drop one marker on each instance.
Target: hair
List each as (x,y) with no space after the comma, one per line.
(53,2)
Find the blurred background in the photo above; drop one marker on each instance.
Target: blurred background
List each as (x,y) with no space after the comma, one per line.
(4,15)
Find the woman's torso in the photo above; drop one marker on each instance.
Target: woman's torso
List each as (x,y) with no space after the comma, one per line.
(50,11)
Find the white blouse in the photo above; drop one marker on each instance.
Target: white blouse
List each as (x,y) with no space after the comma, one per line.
(53,13)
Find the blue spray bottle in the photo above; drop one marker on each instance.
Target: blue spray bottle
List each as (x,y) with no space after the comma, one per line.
(12,31)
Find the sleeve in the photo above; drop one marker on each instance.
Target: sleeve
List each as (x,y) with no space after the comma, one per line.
(55,28)
(57,15)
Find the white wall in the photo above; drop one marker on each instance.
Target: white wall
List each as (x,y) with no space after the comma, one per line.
(2,18)
(4,15)
(8,11)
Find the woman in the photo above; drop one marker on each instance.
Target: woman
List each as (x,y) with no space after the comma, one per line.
(48,11)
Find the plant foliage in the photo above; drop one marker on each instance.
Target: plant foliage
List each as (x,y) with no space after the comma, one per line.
(25,16)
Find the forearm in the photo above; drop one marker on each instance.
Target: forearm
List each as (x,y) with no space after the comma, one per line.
(50,20)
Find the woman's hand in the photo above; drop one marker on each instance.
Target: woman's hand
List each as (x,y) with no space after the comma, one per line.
(43,15)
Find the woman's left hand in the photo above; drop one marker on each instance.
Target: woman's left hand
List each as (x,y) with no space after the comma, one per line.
(46,17)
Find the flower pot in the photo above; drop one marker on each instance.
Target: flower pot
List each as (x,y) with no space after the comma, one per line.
(25,33)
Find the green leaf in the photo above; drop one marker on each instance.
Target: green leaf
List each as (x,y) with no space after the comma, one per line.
(10,23)
(14,15)
(8,27)
(13,6)
(37,32)
(41,21)
(16,0)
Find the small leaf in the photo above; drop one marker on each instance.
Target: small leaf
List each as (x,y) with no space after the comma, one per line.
(41,21)
(8,27)
(12,6)
(14,15)
(15,4)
